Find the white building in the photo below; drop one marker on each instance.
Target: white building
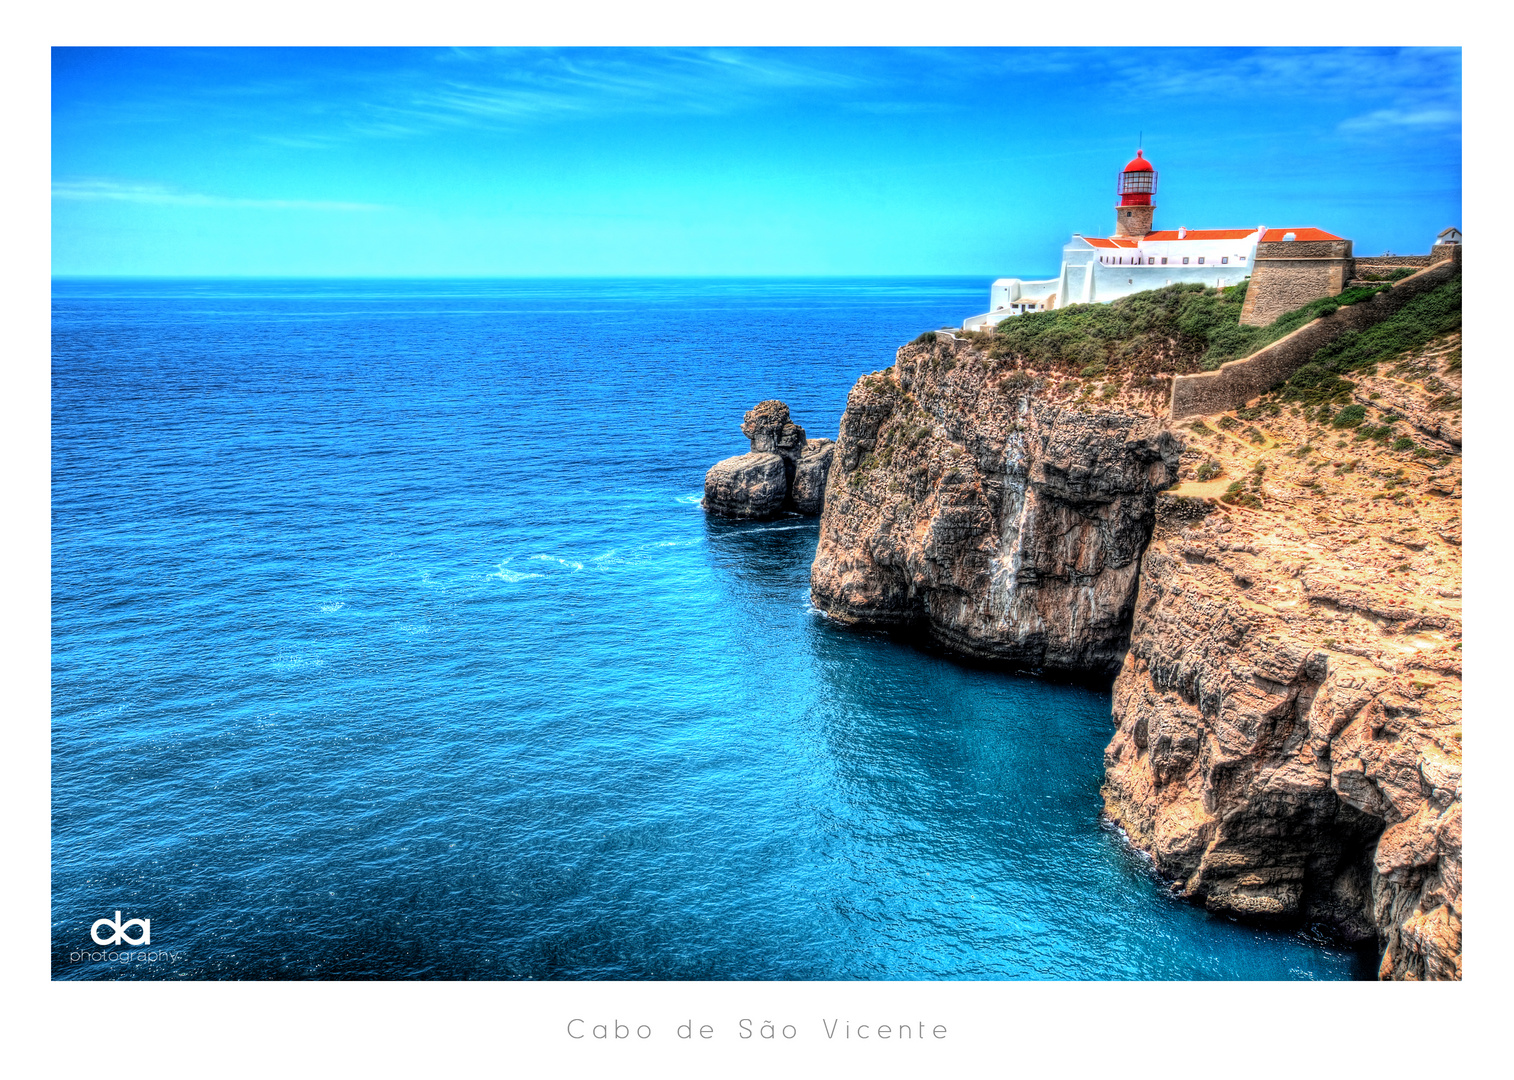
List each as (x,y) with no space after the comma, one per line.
(1099,269)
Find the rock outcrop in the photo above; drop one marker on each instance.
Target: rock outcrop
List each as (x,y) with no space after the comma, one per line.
(748,486)
(810,475)
(782,471)
(1288,739)
(1000,513)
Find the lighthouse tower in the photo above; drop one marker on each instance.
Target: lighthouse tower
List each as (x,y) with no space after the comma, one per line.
(1137,186)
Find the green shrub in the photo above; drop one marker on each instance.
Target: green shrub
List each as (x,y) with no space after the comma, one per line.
(927,338)
(1236,495)
(1403,442)
(1349,417)
(1208,470)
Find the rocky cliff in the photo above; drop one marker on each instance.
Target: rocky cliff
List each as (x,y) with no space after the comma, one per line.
(1284,625)
(1003,512)
(1288,717)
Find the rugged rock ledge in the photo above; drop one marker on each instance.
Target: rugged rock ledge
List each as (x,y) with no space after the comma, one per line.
(783,470)
(1288,740)
(1003,514)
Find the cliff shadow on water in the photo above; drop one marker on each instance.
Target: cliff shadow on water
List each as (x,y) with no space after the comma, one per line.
(944,811)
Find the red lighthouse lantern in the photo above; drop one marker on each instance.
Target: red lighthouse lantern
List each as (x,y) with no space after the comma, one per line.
(1136,187)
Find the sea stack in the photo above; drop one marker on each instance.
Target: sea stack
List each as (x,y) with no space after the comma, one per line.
(782,471)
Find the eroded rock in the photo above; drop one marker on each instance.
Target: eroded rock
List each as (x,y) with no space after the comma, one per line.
(747,486)
(783,470)
(810,476)
(1005,518)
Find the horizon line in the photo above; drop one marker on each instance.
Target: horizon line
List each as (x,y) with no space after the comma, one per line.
(492,277)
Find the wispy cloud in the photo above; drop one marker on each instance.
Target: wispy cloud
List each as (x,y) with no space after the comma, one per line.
(515,87)
(1279,73)
(1395,119)
(91,190)
(331,99)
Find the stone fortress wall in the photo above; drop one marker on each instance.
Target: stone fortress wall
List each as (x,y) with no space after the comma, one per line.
(1237,382)
(1287,274)
(1376,267)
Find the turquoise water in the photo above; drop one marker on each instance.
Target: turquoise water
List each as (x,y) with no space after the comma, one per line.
(390,641)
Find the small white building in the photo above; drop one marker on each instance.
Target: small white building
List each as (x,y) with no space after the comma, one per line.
(1099,269)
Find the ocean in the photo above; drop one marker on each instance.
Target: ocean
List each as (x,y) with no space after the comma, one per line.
(390,641)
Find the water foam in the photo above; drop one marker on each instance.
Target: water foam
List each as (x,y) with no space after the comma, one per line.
(504,573)
(568,564)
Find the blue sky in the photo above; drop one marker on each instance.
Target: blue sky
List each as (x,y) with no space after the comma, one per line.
(477,162)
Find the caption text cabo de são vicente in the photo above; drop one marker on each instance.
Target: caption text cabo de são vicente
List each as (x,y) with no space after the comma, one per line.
(747,1028)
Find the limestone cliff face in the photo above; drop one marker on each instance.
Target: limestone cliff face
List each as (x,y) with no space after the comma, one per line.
(1288,718)
(1275,776)
(1004,516)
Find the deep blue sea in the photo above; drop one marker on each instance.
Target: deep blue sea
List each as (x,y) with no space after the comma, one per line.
(389,641)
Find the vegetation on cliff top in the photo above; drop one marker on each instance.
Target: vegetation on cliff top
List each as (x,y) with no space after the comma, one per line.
(1181,329)
(1421,320)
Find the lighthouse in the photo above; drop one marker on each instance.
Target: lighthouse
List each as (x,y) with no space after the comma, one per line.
(1134,258)
(1136,187)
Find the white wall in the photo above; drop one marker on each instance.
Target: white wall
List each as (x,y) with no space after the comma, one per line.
(1086,279)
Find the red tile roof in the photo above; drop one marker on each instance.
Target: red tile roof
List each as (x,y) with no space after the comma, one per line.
(1210,234)
(1300,234)
(1167,235)
(1202,234)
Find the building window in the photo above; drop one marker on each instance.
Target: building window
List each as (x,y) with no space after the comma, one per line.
(1201,260)
(1164,260)
(1185,260)
(1224,258)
